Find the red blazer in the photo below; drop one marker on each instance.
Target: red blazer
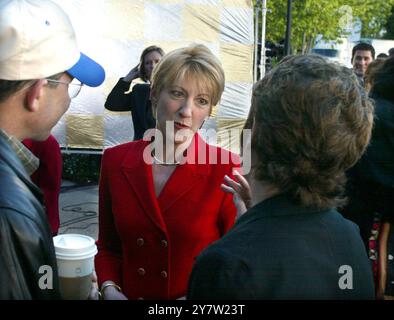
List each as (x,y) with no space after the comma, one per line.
(48,176)
(146,244)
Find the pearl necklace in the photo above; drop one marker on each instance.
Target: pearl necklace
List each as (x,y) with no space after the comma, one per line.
(158,161)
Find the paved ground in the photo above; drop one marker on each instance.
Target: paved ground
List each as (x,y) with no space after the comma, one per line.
(79,209)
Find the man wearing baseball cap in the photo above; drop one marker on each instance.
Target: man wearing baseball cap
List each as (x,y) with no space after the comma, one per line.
(41,70)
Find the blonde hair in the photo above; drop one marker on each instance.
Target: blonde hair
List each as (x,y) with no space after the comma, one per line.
(195,61)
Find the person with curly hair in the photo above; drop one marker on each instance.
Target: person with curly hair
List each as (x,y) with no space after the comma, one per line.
(310,122)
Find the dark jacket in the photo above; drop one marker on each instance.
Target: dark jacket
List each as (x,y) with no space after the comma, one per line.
(137,101)
(377,163)
(25,236)
(371,181)
(278,250)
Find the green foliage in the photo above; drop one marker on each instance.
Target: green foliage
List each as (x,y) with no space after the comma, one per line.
(390,26)
(373,15)
(81,168)
(330,18)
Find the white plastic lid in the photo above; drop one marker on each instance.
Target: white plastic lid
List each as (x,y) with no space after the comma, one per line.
(74,246)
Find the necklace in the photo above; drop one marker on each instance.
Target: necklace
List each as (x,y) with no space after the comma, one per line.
(158,161)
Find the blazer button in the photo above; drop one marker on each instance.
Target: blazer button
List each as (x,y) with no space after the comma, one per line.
(140,242)
(141,271)
(164,243)
(140,298)
(164,274)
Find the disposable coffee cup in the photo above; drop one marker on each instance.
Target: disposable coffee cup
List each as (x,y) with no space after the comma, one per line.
(75,261)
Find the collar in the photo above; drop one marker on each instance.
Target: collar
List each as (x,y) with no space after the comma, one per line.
(278,205)
(28,159)
(196,148)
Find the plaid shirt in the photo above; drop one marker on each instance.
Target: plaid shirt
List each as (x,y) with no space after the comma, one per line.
(28,159)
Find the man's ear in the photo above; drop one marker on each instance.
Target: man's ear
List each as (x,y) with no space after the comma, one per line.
(34,94)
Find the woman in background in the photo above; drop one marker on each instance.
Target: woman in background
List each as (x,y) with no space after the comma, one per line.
(137,101)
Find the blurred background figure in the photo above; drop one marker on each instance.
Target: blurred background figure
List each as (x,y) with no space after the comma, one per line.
(48,176)
(382,56)
(362,55)
(137,101)
(371,180)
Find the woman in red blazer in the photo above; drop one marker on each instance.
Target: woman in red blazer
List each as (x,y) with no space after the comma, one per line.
(160,202)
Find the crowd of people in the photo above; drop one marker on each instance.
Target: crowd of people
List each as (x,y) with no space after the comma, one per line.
(179,218)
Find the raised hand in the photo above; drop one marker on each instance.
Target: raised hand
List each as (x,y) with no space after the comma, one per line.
(133,74)
(241,191)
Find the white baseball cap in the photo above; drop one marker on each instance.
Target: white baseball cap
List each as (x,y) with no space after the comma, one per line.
(37,40)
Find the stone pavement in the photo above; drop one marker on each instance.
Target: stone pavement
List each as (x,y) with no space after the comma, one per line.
(78,206)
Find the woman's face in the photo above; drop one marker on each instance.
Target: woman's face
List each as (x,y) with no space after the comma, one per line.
(150,60)
(183,106)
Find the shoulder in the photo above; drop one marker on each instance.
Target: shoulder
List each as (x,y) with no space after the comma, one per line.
(218,274)
(216,256)
(51,141)
(122,150)
(141,88)
(218,260)
(18,205)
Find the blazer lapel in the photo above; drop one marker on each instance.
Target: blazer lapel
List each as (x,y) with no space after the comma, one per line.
(139,176)
(185,176)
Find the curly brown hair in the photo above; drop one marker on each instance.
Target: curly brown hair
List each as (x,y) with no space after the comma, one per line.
(311,122)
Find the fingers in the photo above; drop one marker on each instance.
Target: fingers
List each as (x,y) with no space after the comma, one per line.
(227,189)
(94,276)
(232,183)
(240,188)
(94,293)
(239,205)
(241,179)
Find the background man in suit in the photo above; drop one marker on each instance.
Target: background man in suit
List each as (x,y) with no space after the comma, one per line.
(310,122)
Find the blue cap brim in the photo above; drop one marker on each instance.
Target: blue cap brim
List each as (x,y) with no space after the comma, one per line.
(88,71)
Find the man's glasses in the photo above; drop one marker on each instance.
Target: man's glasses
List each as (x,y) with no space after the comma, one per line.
(74,88)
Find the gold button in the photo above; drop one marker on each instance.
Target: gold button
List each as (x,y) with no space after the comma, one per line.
(140,242)
(140,298)
(164,274)
(164,243)
(141,271)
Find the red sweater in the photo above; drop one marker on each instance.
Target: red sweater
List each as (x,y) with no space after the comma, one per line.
(48,176)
